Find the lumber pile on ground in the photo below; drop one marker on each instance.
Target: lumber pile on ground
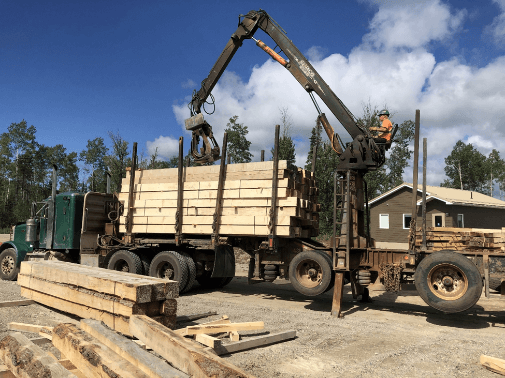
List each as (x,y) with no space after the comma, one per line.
(494,364)
(246,202)
(101,294)
(463,239)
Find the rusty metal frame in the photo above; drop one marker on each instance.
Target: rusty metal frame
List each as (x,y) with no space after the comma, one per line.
(180,195)
(272,242)
(219,197)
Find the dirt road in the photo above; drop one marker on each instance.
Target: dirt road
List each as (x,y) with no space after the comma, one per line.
(395,336)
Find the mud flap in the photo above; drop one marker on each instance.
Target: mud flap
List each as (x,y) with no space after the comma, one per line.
(224,262)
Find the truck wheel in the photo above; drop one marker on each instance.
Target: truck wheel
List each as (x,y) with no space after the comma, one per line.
(448,281)
(191,272)
(332,274)
(170,265)
(8,265)
(495,282)
(125,261)
(311,273)
(146,263)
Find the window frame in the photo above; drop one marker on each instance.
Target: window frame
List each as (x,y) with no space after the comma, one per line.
(380,221)
(462,220)
(410,216)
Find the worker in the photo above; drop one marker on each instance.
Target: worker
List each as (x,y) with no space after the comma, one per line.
(385,129)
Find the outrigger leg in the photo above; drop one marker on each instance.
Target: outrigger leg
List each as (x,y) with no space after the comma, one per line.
(338,293)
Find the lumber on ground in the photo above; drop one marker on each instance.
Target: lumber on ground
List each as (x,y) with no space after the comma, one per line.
(182,353)
(25,359)
(494,364)
(29,328)
(105,302)
(255,342)
(136,288)
(90,356)
(219,327)
(22,302)
(130,351)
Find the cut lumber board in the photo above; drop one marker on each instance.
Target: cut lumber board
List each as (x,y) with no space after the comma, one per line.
(130,351)
(190,318)
(181,353)
(90,356)
(25,359)
(494,364)
(93,299)
(285,231)
(207,340)
(29,328)
(223,320)
(136,288)
(116,322)
(218,328)
(21,302)
(255,342)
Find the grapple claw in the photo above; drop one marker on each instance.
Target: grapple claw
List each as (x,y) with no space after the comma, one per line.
(209,152)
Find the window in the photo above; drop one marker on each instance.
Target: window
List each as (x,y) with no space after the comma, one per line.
(383,220)
(438,220)
(406,221)
(461,221)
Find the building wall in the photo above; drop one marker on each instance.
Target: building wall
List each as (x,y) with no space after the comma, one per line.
(400,203)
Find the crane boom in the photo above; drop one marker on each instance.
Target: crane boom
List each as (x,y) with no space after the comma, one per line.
(370,156)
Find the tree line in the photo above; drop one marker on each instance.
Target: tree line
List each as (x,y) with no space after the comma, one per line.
(26,165)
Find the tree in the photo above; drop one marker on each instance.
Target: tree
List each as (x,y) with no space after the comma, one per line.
(466,168)
(286,144)
(117,161)
(238,145)
(496,167)
(94,158)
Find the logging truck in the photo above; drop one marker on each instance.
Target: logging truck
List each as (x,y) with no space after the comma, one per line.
(183,223)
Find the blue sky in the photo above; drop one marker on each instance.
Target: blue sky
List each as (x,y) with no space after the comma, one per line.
(76,70)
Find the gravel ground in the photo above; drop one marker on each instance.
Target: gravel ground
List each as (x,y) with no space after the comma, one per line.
(395,336)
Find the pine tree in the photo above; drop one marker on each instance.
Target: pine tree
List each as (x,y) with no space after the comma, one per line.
(238,145)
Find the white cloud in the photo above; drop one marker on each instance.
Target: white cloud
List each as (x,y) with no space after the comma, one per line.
(164,146)
(412,24)
(392,66)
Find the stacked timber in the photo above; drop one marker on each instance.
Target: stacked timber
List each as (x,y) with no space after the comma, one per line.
(101,294)
(245,205)
(463,239)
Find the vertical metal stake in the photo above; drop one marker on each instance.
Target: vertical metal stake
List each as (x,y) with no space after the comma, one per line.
(425,160)
(180,193)
(219,197)
(272,243)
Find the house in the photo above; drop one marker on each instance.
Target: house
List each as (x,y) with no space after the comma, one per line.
(390,213)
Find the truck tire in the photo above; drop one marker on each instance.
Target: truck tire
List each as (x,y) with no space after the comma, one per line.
(170,265)
(146,263)
(495,282)
(448,281)
(8,265)
(125,261)
(311,273)
(330,261)
(191,272)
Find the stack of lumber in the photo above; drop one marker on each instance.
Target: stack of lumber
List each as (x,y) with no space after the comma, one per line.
(246,203)
(102,294)
(463,239)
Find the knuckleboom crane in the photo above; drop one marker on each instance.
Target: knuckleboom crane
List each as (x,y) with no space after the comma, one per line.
(358,157)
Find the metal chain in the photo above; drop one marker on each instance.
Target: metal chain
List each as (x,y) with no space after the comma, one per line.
(392,274)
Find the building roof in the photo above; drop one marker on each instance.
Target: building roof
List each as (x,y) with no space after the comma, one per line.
(449,195)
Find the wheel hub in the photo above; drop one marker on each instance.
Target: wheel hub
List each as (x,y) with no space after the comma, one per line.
(167,272)
(447,281)
(309,273)
(7,265)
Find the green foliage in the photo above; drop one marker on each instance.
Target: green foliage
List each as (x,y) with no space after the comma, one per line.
(94,159)
(238,145)
(286,144)
(117,161)
(466,168)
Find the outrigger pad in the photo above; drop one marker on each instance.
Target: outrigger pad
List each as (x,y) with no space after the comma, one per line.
(224,262)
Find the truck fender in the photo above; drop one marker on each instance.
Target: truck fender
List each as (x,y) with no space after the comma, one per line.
(20,252)
(224,261)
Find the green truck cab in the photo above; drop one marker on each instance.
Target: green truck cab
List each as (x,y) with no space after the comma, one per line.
(57,228)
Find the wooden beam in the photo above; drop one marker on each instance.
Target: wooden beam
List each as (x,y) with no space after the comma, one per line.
(494,364)
(29,327)
(22,302)
(130,351)
(118,323)
(207,340)
(25,359)
(255,342)
(90,356)
(218,328)
(223,320)
(180,352)
(133,287)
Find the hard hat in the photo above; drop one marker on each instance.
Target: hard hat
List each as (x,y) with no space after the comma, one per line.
(384,112)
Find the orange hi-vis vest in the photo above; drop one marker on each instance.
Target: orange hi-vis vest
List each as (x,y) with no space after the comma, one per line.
(389,126)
